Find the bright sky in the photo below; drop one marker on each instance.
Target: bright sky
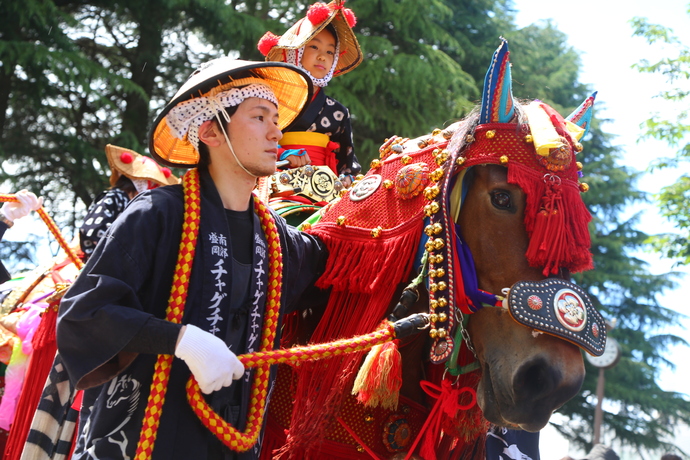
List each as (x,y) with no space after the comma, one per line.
(601,32)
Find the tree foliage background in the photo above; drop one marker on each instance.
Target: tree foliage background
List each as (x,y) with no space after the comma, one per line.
(76,75)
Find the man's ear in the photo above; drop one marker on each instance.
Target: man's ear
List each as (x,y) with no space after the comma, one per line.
(210,134)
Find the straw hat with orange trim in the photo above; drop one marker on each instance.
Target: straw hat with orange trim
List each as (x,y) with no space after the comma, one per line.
(126,162)
(319,15)
(216,85)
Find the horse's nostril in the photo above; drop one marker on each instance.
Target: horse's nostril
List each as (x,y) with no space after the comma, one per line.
(535,377)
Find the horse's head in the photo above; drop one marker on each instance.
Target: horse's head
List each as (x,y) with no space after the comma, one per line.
(513,195)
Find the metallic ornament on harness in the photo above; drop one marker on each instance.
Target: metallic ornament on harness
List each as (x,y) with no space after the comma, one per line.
(365,188)
(411,180)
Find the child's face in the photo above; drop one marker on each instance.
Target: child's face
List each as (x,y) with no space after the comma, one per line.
(319,54)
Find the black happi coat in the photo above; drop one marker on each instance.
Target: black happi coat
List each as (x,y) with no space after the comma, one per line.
(126,281)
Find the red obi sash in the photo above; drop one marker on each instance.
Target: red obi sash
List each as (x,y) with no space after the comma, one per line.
(318,146)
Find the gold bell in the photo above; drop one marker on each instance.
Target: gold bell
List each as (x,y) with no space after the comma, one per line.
(442,317)
(529,139)
(579,165)
(340,220)
(584,187)
(442,302)
(490,134)
(436,175)
(388,184)
(504,159)
(431,192)
(433,333)
(406,159)
(375,164)
(376,232)
(442,286)
(440,272)
(460,161)
(439,243)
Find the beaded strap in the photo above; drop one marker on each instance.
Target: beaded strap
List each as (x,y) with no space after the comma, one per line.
(176,302)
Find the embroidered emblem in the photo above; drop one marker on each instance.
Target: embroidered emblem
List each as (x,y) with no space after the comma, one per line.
(534,302)
(396,433)
(441,349)
(322,183)
(365,188)
(411,180)
(570,310)
(558,158)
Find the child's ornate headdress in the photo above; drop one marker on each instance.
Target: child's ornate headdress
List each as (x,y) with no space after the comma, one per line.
(319,15)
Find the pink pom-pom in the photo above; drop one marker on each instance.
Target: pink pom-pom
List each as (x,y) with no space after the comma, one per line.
(166,172)
(268,41)
(126,157)
(350,17)
(318,13)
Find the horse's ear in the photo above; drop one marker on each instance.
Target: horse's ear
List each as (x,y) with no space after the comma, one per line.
(582,116)
(497,99)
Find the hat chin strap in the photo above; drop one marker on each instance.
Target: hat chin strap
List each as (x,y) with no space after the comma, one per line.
(232,150)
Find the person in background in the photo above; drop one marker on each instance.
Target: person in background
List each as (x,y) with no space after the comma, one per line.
(130,174)
(324,45)
(12,211)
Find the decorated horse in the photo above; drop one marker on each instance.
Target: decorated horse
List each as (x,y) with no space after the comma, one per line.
(479,226)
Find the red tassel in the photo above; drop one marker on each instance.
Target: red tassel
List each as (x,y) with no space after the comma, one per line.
(318,12)
(267,42)
(380,378)
(375,266)
(42,357)
(556,219)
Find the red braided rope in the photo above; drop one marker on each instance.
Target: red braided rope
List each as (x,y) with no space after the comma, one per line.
(52,226)
(320,350)
(229,435)
(176,302)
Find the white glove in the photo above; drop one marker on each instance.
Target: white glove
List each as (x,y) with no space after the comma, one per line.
(213,365)
(27,203)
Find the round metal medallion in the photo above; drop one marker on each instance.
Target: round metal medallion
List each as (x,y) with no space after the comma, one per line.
(595,330)
(411,180)
(534,302)
(570,310)
(396,433)
(365,188)
(322,183)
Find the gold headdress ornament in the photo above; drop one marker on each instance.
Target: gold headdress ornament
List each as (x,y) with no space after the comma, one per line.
(126,162)
(319,15)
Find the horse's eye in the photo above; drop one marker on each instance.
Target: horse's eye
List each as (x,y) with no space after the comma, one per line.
(501,199)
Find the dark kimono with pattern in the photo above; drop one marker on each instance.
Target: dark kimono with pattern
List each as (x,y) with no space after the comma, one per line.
(99,217)
(327,116)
